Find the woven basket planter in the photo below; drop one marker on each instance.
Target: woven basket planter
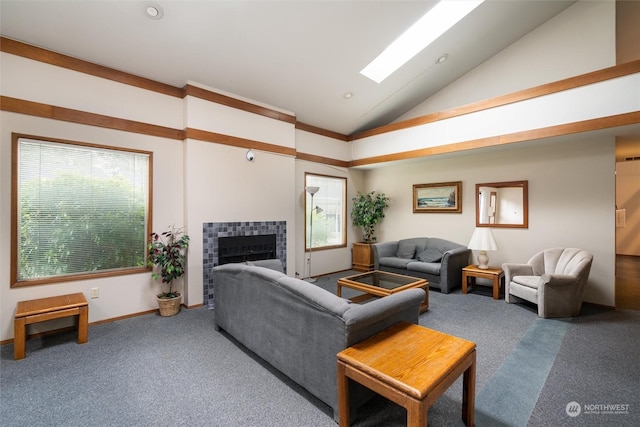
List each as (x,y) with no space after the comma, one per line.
(169,306)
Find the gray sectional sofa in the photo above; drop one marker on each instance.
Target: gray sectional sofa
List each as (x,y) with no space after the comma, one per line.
(438,261)
(298,327)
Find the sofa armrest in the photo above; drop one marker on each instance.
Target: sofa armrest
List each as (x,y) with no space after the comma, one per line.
(383,249)
(512,269)
(365,320)
(453,261)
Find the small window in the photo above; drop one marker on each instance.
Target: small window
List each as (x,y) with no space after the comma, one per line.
(325,218)
(78,210)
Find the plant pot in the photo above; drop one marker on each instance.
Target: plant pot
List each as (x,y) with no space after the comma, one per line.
(169,306)
(362,257)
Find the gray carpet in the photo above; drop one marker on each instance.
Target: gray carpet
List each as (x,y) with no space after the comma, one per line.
(151,370)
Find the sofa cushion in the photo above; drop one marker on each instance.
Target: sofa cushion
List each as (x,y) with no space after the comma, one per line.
(424,267)
(528,281)
(430,255)
(406,250)
(395,262)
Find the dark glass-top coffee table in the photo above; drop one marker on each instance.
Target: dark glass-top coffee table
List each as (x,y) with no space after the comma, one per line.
(381,284)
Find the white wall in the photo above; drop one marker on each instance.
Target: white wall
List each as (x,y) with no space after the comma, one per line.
(571,202)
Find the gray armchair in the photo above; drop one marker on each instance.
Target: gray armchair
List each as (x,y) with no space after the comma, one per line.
(554,279)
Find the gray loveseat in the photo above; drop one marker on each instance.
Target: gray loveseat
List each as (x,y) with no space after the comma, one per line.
(438,261)
(298,327)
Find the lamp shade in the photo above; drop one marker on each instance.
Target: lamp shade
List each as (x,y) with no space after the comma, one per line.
(482,240)
(311,190)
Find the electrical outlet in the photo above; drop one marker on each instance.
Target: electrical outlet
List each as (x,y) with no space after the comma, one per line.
(95,292)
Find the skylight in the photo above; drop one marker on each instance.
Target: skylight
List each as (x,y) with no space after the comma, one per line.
(432,25)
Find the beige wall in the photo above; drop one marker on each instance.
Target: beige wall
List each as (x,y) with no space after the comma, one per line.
(571,201)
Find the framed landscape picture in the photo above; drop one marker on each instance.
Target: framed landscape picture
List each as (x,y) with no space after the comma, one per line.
(440,197)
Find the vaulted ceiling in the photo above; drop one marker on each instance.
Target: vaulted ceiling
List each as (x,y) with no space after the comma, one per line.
(300,56)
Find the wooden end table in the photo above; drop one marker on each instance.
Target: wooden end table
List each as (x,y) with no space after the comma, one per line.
(39,310)
(381,284)
(471,272)
(412,366)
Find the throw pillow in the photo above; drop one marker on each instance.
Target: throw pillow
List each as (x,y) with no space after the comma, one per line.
(430,255)
(406,250)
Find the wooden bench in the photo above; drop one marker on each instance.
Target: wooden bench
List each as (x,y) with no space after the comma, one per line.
(39,310)
(412,366)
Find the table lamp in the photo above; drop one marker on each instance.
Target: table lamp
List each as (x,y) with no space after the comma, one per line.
(482,240)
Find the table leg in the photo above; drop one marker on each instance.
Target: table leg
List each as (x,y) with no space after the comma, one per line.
(83,324)
(469,392)
(496,287)
(19,338)
(343,396)
(464,282)
(416,414)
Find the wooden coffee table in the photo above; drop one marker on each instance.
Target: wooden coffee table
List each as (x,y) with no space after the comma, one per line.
(381,284)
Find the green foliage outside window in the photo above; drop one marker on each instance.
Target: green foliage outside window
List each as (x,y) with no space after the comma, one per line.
(74,224)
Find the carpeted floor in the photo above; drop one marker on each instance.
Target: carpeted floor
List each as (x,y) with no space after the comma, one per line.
(151,370)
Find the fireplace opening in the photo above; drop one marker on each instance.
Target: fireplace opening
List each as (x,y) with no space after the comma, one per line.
(246,248)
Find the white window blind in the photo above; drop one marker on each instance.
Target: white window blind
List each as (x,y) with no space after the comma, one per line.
(80,209)
(329,219)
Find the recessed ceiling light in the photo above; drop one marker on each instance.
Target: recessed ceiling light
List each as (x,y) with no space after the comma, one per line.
(432,25)
(442,58)
(153,11)
(348,95)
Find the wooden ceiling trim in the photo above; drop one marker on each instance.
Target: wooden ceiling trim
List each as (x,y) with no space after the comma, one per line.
(522,95)
(190,90)
(53,58)
(323,160)
(234,141)
(529,135)
(37,109)
(323,132)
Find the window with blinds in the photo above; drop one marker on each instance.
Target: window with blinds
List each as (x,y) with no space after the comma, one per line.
(325,218)
(79,210)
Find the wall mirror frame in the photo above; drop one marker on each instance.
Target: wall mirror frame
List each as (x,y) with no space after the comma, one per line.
(502,204)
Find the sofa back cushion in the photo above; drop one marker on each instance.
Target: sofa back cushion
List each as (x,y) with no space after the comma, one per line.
(406,249)
(430,254)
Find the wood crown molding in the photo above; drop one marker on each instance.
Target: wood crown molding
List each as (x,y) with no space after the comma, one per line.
(529,135)
(323,132)
(219,138)
(53,58)
(190,90)
(35,53)
(60,113)
(522,95)
(47,111)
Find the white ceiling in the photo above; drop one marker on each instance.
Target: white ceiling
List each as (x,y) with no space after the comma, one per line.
(300,56)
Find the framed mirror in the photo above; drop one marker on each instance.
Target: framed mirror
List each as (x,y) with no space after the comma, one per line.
(502,204)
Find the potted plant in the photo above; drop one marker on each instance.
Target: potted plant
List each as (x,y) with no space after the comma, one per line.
(368,210)
(167,254)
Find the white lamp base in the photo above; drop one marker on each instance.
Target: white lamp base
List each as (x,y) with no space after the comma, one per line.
(483,260)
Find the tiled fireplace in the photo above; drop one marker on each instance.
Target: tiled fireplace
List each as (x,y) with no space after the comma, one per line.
(212,231)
